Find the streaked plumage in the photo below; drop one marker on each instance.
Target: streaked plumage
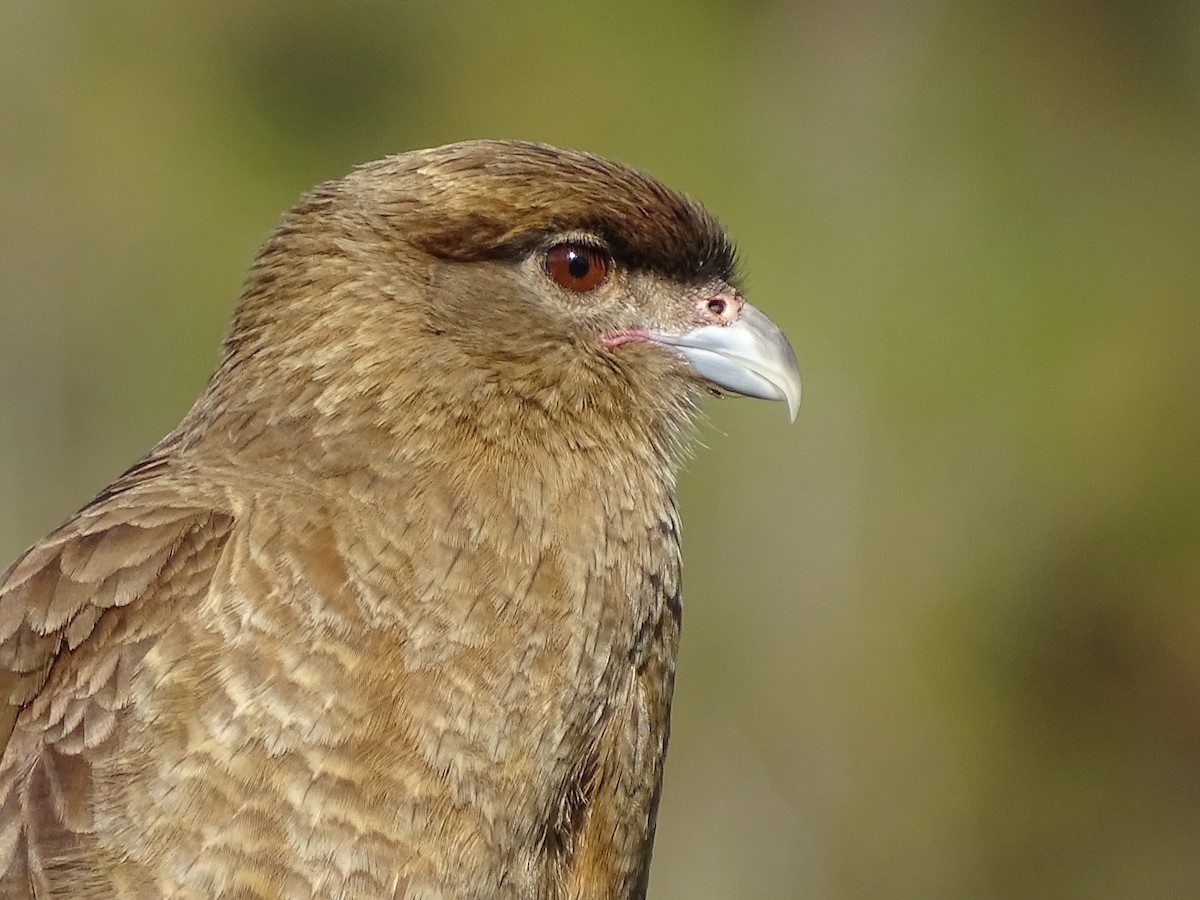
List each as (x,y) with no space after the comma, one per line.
(394,611)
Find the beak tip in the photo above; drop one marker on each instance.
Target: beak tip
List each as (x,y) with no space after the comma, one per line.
(790,394)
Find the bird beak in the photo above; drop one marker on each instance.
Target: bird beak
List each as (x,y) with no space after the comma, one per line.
(748,356)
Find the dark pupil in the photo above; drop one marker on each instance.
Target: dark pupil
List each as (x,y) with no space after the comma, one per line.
(578,264)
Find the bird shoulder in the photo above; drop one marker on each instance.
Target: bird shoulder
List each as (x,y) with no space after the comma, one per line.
(77,612)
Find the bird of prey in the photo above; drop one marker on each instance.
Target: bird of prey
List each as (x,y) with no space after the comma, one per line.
(393,613)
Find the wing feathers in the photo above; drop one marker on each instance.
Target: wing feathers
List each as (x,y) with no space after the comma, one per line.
(68,652)
(57,590)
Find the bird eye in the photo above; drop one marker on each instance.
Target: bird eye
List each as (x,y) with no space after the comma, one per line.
(577,267)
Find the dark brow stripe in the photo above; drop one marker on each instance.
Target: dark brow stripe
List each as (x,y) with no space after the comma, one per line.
(476,240)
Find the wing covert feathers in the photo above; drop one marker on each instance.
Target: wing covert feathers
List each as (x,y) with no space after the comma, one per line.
(77,612)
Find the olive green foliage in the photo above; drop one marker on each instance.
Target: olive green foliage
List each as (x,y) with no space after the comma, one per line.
(943,636)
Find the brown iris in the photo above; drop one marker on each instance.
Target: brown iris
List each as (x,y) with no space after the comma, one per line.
(577,267)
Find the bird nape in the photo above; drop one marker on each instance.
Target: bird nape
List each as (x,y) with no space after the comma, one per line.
(394,611)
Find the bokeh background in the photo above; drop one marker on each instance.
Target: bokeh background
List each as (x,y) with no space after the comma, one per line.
(943,635)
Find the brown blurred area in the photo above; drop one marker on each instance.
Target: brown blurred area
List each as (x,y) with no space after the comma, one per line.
(942,636)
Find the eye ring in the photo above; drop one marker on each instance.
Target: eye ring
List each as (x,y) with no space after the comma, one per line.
(577,266)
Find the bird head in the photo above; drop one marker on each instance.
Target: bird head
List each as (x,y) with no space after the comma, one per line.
(507,282)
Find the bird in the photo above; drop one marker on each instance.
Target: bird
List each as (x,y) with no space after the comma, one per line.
(394,611)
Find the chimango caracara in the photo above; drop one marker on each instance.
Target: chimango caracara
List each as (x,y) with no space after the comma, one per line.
(394,611)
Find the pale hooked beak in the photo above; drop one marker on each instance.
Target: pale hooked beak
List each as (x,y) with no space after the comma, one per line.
(748,356)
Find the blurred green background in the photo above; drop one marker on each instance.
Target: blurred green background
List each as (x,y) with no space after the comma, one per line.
(943,635)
